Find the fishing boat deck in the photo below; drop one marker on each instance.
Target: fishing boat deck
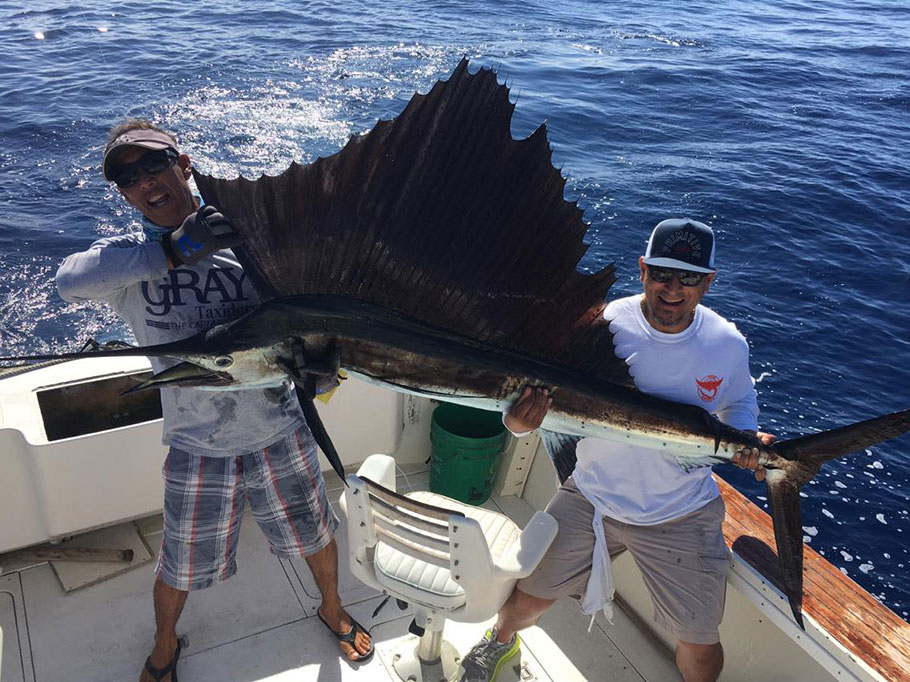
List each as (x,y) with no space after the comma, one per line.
(261,625)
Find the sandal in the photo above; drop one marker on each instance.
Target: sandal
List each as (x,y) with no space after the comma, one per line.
(170,669)
(349,637)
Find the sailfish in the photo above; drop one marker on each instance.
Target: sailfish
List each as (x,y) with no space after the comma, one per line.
(436,255)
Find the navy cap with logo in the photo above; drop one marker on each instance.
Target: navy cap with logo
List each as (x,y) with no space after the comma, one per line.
(681,244)
(139,137)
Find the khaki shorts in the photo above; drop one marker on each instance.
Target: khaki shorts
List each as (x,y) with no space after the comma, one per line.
(683,562)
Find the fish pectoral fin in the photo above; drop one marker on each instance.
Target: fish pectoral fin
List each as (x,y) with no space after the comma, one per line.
(320,435)
(783,495)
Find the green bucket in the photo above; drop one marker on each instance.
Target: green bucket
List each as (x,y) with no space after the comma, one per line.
(466,447)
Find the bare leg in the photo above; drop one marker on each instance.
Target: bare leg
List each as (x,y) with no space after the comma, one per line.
(520,611)
(324,566)
(699,662)
(168,606)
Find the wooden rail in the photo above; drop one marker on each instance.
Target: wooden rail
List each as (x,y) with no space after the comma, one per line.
(865,627)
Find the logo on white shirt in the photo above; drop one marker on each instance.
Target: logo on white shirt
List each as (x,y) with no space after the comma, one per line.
(707,387)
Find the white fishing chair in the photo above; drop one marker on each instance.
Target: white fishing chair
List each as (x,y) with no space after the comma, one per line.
(447,559)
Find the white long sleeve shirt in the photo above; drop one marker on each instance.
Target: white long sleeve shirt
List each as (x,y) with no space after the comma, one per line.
(707,365)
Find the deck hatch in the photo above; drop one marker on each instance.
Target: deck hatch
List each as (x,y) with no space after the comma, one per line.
(93,406)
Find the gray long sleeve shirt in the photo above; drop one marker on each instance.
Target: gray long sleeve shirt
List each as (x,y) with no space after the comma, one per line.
(130,273)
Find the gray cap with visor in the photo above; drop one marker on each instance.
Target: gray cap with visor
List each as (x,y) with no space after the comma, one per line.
(145,138)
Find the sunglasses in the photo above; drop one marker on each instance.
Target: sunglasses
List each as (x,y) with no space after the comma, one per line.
(152,162)
(686,278)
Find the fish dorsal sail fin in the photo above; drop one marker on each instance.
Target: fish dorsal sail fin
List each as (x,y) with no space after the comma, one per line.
(441,215)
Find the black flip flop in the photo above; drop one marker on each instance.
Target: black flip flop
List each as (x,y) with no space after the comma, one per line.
(170,669)
(349,637)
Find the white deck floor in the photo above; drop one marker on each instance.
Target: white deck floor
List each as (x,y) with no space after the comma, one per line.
(261,625)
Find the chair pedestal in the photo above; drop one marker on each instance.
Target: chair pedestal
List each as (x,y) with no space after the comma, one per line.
(411,666)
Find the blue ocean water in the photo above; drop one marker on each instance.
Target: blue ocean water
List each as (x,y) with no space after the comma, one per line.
(782,124)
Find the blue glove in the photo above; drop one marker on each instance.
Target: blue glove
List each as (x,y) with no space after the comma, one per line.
(202,234)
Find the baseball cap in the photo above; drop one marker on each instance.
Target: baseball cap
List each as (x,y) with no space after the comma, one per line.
(145,138)
(682,244)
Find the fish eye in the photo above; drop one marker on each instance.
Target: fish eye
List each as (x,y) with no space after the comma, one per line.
(224,361)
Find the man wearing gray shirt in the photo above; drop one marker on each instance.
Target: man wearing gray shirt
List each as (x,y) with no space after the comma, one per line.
(175,279)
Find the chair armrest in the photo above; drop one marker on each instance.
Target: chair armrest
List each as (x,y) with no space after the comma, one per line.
(520,560)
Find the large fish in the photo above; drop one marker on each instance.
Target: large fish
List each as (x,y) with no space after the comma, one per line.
(436,255)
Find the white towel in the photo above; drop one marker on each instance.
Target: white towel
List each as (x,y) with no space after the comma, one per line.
(600,589)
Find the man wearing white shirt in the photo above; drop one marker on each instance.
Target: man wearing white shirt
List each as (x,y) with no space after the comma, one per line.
(633,498)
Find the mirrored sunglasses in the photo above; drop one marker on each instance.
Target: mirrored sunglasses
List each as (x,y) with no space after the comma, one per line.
(686,278)
(152,162)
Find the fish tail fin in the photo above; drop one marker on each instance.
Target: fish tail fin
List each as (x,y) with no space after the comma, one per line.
(818,448)
(783,496)
(807,454)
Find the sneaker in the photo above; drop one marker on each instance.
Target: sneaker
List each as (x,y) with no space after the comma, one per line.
(486,658)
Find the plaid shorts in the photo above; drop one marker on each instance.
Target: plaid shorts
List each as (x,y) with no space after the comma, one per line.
(204,499)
